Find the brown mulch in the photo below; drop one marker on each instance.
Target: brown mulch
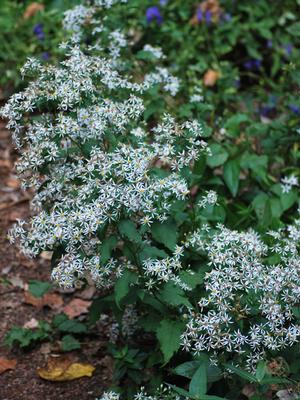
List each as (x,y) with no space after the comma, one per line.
(23,382)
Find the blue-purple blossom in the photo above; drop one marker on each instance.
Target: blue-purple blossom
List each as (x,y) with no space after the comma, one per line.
(163,2)
(254,64)
(208,16)
(199,15)
(266,110)
(269,44)
(294,108)
(38,31)
(45,56)
(226,17)
(153,14)
(288,48)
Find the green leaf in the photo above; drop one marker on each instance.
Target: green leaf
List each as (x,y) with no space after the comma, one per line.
(123,284)
(181,391)
(152,252)
(288,199)
(71,326)
(39,288)
(231,176)
(233,124)
(25,337)
(192,278)
(149,322)
(263,210)
(198,384)
(261,370)
(271,380)
(294,29)
(128,229)
(165,233)
(173,295)
(69,343)
(240,372)
(187,369)
(218,155)
(59,319)
(168,334)
(106,248)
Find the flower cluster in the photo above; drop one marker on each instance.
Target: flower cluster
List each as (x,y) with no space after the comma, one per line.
(92,159)
(287,183)
(163,393)
(249,281)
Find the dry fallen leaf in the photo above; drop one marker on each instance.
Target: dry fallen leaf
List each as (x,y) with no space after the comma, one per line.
(31,324)
(61,369)
(211,6)
(51,300)
(32,9)
(5,364)
(45,348)
(87,293)
(76,307)
(210,77)
(46,255)
(13,183)
(16,281)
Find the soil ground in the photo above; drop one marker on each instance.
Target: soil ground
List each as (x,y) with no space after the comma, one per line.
(23,382)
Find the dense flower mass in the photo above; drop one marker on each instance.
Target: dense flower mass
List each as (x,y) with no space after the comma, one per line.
(92,160)
(248,279)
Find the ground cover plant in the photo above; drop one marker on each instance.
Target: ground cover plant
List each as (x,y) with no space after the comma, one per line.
(160,176)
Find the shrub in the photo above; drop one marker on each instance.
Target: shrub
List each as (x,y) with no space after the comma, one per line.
(131,198)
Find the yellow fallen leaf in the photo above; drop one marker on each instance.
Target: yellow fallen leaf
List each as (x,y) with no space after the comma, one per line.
(59,369)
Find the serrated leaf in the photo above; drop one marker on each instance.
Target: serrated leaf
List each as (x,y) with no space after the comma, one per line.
(168,334)
(122,286)
(71,326)
(106,248)
(152,252)
(218,155)
(174,295)
(69,343)
(165,233)
(128,230)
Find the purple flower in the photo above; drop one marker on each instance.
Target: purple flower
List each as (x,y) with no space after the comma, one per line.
(294,108)
(269,44)
(45,56)
(199,15)
(237,83)
(226,17)
(163,2)
(153,14)
(252,64)
(265,111)
(288,48)
(208,16)
(38,31)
